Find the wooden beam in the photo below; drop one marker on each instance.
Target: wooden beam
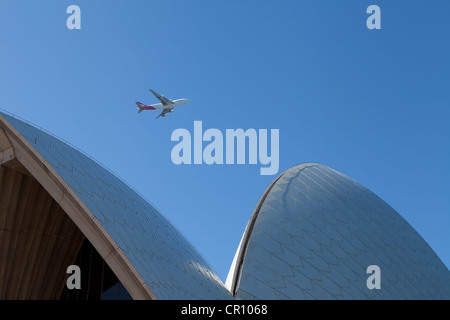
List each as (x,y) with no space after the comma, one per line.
(6,155)
(4,141)
(5,234)
(38,239)
(17,166)
(28,194)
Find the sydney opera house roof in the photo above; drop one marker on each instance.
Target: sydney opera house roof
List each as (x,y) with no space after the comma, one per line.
(312,235)
(315,232)
(146,252)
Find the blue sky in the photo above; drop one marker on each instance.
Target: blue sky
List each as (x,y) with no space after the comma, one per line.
(372,104)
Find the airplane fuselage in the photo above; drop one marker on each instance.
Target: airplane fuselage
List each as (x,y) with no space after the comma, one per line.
(175,103)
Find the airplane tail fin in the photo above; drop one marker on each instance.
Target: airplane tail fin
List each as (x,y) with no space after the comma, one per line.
(141,107)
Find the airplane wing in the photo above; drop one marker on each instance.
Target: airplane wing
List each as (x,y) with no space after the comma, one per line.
(161,98)
(163,113)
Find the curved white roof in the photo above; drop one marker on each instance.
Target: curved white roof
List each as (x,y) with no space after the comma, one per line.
(314,234)
(148,254)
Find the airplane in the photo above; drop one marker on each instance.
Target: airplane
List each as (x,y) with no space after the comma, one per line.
(166,105)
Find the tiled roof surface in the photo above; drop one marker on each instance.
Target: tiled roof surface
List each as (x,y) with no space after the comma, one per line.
(316,233)
(168,263)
